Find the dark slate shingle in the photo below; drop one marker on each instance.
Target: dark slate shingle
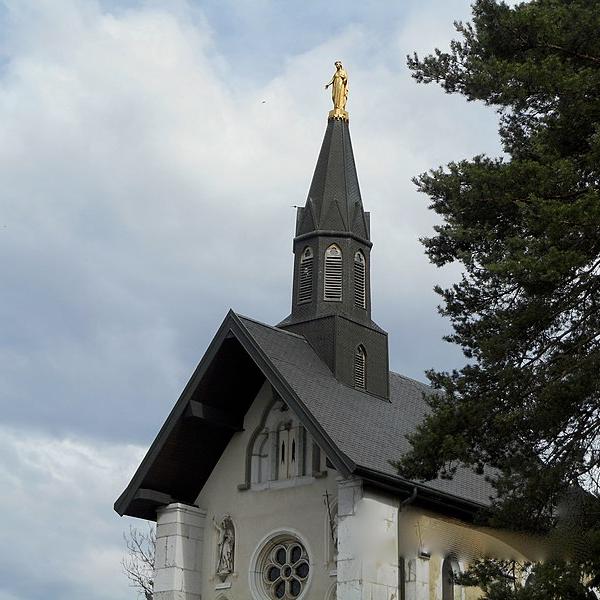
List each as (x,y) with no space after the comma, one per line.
(368,430)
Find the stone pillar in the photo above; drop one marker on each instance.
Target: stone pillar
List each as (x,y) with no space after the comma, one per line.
(367,567)
(417,578)
(179,539)
(349,563)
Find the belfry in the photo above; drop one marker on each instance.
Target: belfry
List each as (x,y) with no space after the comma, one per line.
(273,476)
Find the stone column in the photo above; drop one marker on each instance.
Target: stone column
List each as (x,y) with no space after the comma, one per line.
(349,563)
(367,566)
(179,539)
(417,578)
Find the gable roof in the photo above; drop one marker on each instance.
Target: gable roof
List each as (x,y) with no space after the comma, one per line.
(358,432)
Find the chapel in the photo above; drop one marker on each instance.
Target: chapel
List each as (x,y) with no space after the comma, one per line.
(272,476)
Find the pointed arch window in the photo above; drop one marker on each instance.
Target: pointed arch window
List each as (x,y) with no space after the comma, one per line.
(305,284)
(360,280)
(360,368)
(450,569)
(333,274)
(280,449)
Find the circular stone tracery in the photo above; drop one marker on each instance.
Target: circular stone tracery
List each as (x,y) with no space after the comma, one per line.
(285,570)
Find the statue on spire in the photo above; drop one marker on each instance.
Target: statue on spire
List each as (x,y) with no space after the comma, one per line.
(339,92)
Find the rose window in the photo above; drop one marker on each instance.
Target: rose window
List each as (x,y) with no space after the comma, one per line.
(286,569)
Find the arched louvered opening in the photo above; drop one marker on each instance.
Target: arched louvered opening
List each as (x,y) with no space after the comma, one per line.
(333,274)
(360,280)
(305,285)
(360,368)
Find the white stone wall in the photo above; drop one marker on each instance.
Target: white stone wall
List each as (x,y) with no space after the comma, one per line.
(179,545)
(374,537)
(371,535)
(426,538)
(293,505)
(367,544)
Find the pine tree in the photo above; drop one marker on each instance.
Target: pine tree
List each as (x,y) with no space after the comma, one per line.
(525,227)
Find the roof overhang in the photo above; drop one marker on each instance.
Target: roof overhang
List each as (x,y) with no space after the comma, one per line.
(209,411)
(422,494)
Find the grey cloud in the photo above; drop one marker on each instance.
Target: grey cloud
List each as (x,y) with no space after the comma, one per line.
(60,539)
(147,191)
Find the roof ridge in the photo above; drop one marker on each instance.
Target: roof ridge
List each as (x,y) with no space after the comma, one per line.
(410,379)
(278,329)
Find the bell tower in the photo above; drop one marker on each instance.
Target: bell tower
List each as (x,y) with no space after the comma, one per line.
(331,297)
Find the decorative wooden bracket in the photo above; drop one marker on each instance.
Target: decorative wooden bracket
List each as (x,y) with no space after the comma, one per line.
(153,497)
(212,415)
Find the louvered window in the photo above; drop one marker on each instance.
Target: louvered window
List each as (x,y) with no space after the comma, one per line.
(360,282)
(306,277)
(333,274)
(360,368)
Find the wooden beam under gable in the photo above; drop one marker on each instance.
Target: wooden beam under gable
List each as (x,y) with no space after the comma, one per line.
(153,497)
(212,416)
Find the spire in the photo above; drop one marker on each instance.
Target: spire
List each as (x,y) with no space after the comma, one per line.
(334,202)
(331,297)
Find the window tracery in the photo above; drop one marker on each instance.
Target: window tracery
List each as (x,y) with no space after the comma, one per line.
(285,570)
(282,449)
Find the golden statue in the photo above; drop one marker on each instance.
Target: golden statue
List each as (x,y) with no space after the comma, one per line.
(339,92)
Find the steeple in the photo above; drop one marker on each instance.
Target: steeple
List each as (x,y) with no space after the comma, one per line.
(334,202)
(331,298)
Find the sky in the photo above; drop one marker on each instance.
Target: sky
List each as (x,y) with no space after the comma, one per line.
(151,154)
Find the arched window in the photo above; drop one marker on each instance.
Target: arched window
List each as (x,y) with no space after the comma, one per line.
(305,284)
(360,280)
(450,570)
(360,368)
(280,449)
(333,274)
(290,437)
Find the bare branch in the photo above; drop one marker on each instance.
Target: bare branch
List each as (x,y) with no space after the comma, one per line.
(138,563)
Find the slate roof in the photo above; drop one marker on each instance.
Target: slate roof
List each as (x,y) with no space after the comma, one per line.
(368,430)
(334,202)
(359,433)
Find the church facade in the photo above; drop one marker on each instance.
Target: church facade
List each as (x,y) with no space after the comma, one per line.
(271,478)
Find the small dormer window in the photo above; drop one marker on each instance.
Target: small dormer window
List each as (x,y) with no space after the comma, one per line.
(360,368)
(333,274)
(360,280)
(305,284)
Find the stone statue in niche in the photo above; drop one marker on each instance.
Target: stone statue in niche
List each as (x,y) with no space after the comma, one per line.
(225,547)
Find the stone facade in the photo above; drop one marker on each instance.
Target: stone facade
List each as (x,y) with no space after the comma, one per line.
(179,548)
(386,549)
(291,492)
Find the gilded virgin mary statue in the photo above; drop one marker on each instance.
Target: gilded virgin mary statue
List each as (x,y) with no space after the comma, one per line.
(339,92)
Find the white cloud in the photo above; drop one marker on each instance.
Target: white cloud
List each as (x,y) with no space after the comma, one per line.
(60,537)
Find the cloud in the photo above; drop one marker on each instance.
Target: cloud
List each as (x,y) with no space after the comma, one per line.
(150,155)
(148,187)
(60,538)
